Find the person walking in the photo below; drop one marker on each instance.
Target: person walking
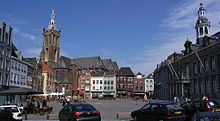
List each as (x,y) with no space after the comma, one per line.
(145,98)
(64,101)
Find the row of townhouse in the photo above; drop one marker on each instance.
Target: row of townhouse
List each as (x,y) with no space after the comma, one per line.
(15,71)
(122,83)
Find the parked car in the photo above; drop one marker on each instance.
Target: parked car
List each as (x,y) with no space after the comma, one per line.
(79,112)
(206,116)
(159,111)
(6,115)
(191,107)
(17,115)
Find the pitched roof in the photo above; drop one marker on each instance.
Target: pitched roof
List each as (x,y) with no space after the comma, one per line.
(115,65)
(150,76)
(98,74)
(46,68)
(30,60)
(88,62)
(109,64)
(63,62)
(125,71)
(139,73)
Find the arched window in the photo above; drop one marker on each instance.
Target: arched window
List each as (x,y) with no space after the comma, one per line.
(46,54)
(206,30)
(55,53)
(201,31)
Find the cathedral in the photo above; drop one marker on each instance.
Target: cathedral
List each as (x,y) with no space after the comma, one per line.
(63,74)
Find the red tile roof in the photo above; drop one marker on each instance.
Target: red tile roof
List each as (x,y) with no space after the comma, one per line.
(47,68)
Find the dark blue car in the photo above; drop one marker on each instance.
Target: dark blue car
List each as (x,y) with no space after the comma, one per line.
(159,111)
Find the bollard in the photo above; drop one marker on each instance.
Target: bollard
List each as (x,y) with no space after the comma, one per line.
(48,117)
(25,115)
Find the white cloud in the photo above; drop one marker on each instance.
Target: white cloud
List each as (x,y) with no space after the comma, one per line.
(179,25)
(32,52)
(28,36)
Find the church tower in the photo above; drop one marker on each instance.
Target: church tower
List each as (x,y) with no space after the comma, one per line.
(202,25)
(50,52)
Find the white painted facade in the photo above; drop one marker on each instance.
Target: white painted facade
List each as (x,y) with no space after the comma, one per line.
(96,86)
(19,76)
(149,85)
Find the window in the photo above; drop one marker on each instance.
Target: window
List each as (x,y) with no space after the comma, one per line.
(2,50)
(100,81)
(146,107)
(194,68)
(93,81)
(111,82)
(213,83)
(105,82)
(141,87)
(15,78)
(213,64)
(201,31)
(206,30)
(100,87)
(6,37)
(12,64)
(206,65)
(15,66)
(0,34)
(154,107)
(200,68)
(97,81)
(11,76)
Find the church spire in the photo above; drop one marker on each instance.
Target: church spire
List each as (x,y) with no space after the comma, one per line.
(202,25)
(52,24)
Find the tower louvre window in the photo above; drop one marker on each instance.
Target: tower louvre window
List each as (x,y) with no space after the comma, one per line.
(201,30)
(206,30)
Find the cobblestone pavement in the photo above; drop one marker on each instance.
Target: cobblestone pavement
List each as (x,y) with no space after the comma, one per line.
(108,109)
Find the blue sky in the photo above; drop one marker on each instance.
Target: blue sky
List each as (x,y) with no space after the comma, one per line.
(135,33)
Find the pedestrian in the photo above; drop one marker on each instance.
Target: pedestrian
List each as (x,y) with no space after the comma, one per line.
(136,99)
(145,98)
(38,104)
(64,101)
(44,103)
